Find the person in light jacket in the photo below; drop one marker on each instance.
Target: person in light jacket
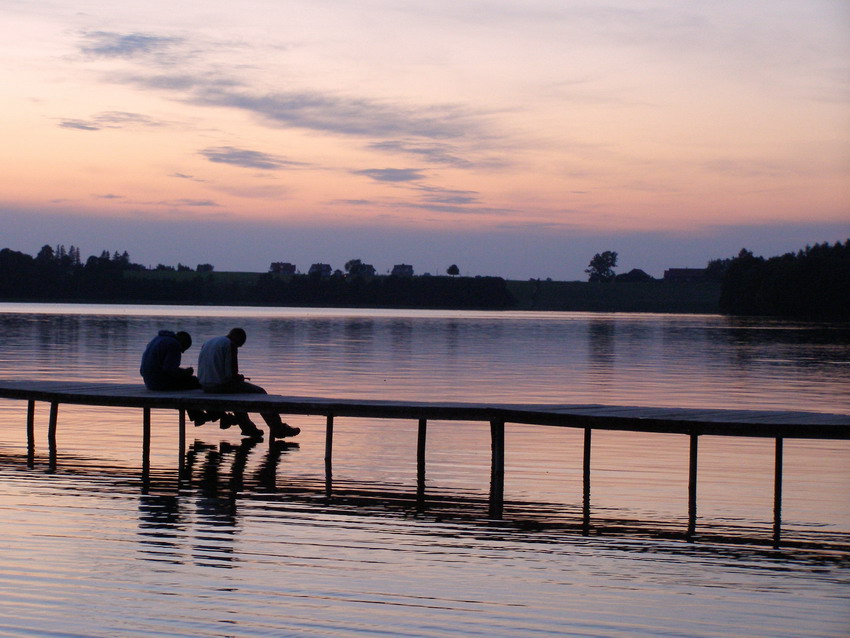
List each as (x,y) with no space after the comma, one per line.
(218,372)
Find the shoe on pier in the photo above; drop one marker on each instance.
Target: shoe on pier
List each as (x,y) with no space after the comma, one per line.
(198,417)
(285,430)
(250,429)
(256,433)
(227,421)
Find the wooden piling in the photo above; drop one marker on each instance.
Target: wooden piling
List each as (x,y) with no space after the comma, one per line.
(329,439)
(329,444)
(497,468)
(588,431)
(54,418)
(181,441)
(777,492)
(692,485)
(420,460)
(51,434)
(146,442)
(30,432)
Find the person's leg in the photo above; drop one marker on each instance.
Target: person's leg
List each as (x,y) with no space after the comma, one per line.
(189,383)
(277,428)
(198,417)
(247,426)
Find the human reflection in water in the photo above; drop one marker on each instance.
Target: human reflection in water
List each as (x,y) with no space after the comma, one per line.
(214,477)
(161,525)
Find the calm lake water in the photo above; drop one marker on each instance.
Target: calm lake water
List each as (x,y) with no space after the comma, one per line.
(247,541)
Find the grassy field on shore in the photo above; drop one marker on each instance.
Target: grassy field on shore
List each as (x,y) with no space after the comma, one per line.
(650,296)
(644,296)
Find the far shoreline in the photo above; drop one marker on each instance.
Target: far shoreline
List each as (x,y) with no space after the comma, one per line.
(655,297)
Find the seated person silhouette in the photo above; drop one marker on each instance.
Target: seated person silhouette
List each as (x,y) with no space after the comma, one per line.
(218,372)
(161,369)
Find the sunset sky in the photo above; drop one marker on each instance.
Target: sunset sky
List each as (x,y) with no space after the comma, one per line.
(513,138)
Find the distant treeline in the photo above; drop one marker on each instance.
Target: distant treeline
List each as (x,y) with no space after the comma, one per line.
(812,283)
(60,275)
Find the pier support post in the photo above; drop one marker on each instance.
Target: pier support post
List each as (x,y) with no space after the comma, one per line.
(146,445)
(588,433)
(497,468)
(777,493)
(420,461)
(181,443)
(51,433)
(329,445)
(692,486)
(30,432)
(51,426)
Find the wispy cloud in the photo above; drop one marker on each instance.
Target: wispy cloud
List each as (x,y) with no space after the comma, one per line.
(746,169)
(461,210)
(188,177)
(111,120)
(392,174)
(108,44)
(80,125)
(437,195)
(432,199)
(247,158)
(256,191)
(353,202)
(433,153)
(177,82)
(212,86)
(342,115)
(203,203)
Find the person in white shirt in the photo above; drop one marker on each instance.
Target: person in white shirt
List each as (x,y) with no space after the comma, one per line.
(218,372)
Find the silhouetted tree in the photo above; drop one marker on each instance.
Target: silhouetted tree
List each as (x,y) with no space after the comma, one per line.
(453,270)
(356,268)
(812,283)
(46,254)
(601,267)
(352,265)
(716,269)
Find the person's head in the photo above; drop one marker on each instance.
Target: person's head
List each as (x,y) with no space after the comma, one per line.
(185,340)
(237,336)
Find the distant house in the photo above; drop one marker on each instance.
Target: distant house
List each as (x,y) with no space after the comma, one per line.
(282,268)
(685,275)
(635,274)
(402,270)
(320,270)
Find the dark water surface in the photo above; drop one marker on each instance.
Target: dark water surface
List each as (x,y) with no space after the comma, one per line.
(247,541)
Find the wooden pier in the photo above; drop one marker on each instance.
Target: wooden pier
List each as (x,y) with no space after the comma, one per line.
(685,421)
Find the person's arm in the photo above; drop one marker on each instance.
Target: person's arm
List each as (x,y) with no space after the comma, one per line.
(171,363)
(234,363)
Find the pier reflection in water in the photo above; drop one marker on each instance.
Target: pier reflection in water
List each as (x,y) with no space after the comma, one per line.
(222,482)
(222,475)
